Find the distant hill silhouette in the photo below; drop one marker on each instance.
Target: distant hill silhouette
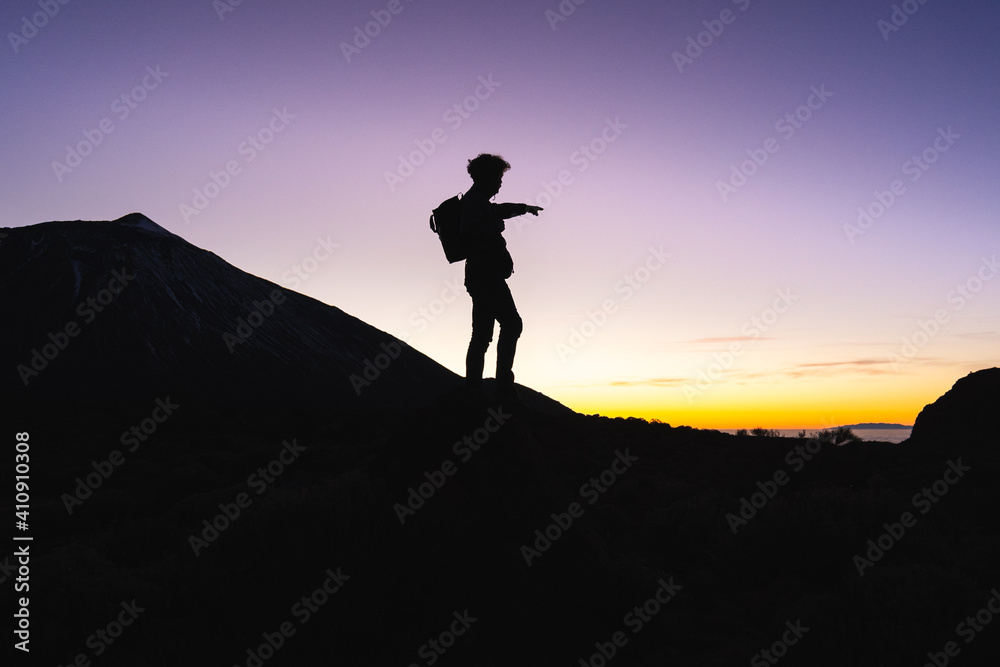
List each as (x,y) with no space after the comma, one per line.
(188,322)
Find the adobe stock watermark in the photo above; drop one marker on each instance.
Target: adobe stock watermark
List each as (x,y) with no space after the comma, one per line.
(696,44)
(914,168)
(899,16)
(373,368)
(137,435)
(102,638)
(48,10)
(562,12)
(245,327)
(122,107)
(959,296)
(435,647)
(454,116)
(22,617)
(786,126)
(59,340)
(796,459)
(259,481)
(580,159)
(724,361)
(591,491)
(635,620)
(223,7)
(303,610)
(779,649)
(422,318)
(463,449)
(306,267)
(249,149)
(923,501)
(968,629)
(627,287)
(363,35)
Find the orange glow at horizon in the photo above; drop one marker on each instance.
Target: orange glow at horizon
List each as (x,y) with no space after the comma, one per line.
(789,405)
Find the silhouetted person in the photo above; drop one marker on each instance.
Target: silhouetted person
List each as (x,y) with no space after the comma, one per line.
(487,268)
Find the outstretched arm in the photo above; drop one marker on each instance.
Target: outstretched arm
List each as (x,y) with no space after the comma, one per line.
(514,210)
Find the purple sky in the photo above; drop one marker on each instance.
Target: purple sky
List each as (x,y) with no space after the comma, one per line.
(775,306)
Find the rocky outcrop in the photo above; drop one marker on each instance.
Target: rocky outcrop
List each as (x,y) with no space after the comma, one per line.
(966,413)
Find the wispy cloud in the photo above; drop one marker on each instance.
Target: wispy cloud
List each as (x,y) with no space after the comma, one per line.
(866,366)
(853,362)
(825,369)
(649,382)
(638,382)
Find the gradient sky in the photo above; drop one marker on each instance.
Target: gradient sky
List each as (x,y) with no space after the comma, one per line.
(833,99)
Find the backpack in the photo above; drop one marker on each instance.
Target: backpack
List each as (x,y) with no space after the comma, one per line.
(446,222)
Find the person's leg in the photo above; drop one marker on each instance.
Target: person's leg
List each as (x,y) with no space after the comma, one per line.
(482,333)
(511,326)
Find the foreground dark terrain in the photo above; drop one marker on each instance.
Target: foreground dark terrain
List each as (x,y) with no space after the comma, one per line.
(328,514)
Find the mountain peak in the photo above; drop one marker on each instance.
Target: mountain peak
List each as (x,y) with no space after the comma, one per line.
(139,311)
(142,222)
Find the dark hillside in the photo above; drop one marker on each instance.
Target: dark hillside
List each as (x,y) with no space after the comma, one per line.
(666,517)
